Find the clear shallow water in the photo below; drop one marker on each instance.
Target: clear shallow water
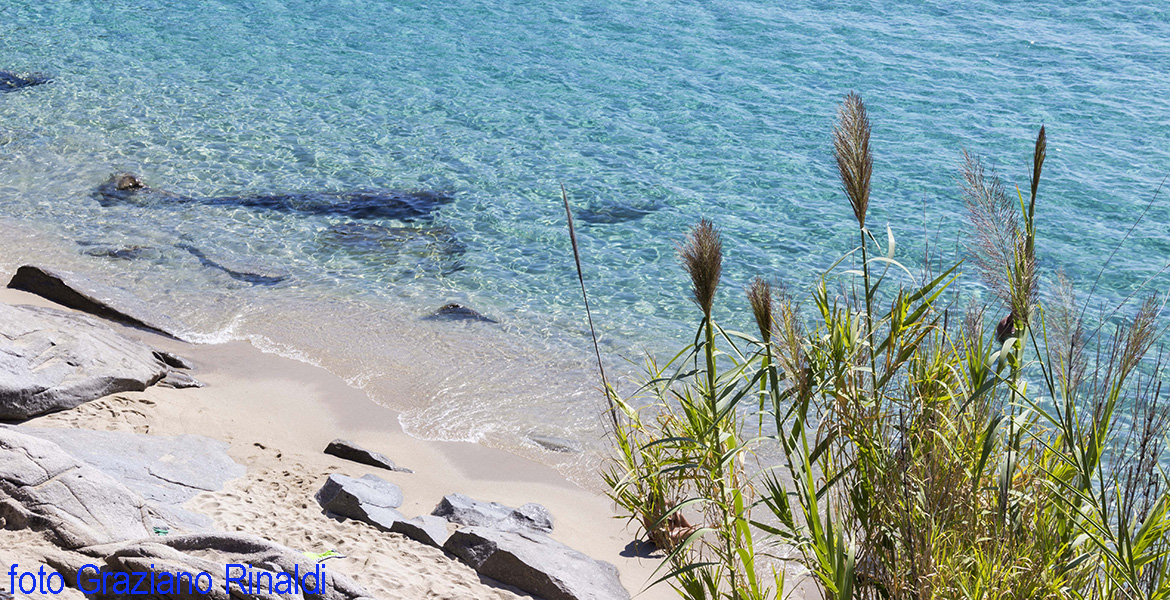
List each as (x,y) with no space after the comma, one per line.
(680,109)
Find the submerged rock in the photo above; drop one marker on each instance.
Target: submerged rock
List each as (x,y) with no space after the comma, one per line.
(351,451)
(553,443)
(460,509)
(80,293)
(52,360)
(236,273)
(457,312)
(415,248)
(373,204)
(124,252)
(614,212)
(10,81)
(536,564)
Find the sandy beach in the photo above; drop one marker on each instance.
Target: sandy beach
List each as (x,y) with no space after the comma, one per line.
(277,415)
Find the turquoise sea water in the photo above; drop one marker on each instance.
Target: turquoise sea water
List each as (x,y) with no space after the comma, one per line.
(666,110)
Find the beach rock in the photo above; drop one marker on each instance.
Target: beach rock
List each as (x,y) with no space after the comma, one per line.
(536,564)
(10,81)
(553,443)
(373,204)
(212,552)
(173,360)
(427,529)
(166,471)
(180,381)
(52,360)
(351,451)
(457,312)
(370,499)
(80,293)
(460,509)
(45,488)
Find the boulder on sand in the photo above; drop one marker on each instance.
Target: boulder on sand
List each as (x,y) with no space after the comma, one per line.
(351,451)
(53,360)
(536,564)
(460,509)
(370,499)
(80,293)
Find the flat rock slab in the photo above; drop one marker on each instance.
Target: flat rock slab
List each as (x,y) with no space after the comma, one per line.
(80,293)
(427,529)
(165,470)
(53,360)
(370,499)
(460,509)
(351,451)
(536,564)
(44,487)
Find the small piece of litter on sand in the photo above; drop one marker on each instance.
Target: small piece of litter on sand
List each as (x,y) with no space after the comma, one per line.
(320,556)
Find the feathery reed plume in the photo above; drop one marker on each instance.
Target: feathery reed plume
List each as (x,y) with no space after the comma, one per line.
(702,256)
(790,345)
(1140,336)
(1001,250)
(760,298)
(1067,335)
(1038,156)
(588,314)
(851,147)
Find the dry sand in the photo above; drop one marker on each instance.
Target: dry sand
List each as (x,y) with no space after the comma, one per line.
(278,415)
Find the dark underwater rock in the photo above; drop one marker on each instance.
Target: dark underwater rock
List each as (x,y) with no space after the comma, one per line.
(614,212)
(235,273)
(79,293)
(457,312)
(123,252)
(11,82)
(362,204)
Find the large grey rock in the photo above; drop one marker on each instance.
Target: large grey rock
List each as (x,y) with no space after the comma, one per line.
(80,293)
(351,451)
(45,488)
(212,552)
(370,499)
(536,564)
(167,471)
(52,360)
(460,509)
(427,529)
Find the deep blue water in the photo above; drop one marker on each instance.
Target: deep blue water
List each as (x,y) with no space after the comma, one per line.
(667,110)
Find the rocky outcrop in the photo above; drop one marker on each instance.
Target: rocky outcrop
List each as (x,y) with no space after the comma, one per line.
(427,529)
(43,487)
(370,499)
(212,552)
(351,451)
(52,360)
(166,471)
(536,564)
(462,510)
(80,293)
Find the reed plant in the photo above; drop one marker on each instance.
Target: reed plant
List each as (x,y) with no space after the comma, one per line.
(895,444)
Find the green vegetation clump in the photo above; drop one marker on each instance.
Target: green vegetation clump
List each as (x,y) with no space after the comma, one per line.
(893,444)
